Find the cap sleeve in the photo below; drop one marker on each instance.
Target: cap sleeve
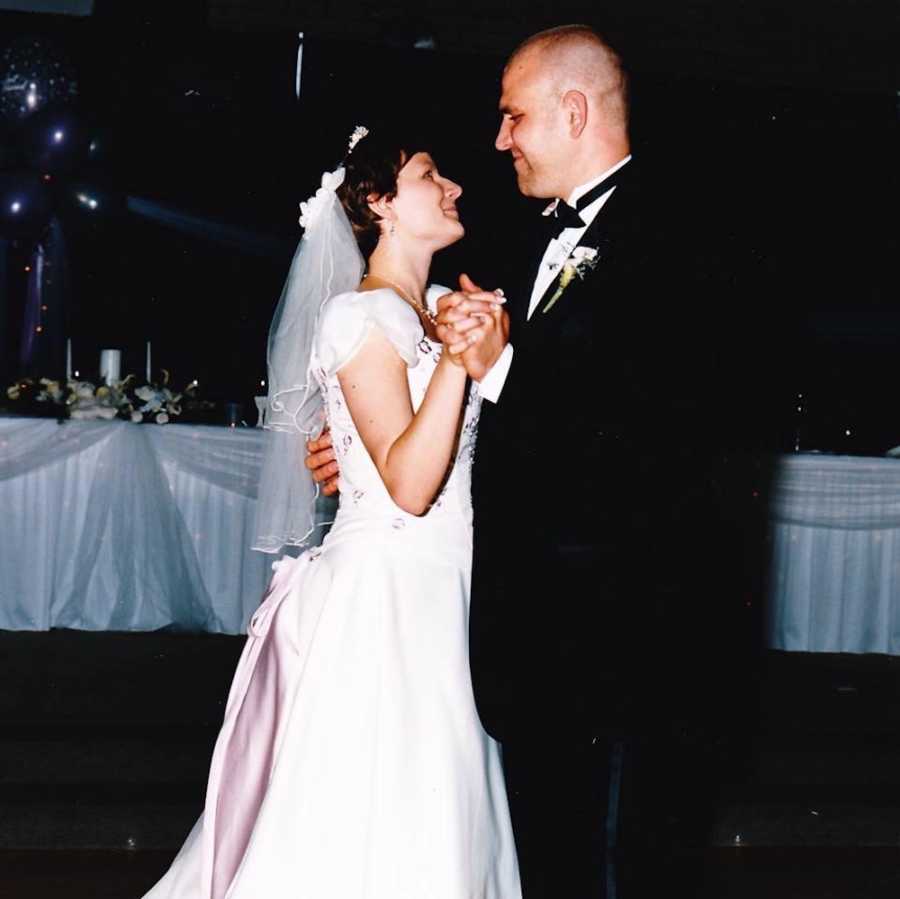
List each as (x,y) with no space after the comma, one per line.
(347,319)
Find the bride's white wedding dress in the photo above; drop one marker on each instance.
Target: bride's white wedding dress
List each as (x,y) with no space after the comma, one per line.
(351,763)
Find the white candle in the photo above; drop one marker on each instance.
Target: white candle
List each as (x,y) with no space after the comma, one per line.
(68,358)
(149,367)
(110,365)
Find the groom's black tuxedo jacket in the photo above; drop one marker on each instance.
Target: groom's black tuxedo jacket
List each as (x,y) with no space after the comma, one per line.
(592,472)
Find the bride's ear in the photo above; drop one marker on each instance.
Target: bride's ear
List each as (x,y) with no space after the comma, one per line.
(381,206)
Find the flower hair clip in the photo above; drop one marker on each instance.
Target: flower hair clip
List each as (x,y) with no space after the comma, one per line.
(359,132)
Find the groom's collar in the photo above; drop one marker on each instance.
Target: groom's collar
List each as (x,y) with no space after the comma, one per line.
(582,189)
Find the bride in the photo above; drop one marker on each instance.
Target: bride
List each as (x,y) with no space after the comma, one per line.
(351,763)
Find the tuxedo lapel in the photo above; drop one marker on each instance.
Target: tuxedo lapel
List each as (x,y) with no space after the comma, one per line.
(593,238)
(599,236)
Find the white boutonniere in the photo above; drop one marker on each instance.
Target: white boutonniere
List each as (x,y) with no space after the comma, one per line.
(581,260)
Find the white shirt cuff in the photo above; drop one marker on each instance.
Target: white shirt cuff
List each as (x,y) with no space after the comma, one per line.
(491,385)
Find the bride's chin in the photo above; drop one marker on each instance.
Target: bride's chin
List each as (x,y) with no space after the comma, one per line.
(454,235)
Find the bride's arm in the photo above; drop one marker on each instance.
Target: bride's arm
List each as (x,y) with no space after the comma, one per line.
(411,450)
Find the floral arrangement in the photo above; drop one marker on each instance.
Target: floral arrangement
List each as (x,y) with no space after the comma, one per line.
(581,260)
(86,401)
(156,401)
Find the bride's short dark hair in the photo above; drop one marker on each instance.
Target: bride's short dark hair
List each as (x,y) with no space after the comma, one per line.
(371,170)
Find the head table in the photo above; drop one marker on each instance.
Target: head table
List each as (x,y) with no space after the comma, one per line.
(117,526)
(835,579)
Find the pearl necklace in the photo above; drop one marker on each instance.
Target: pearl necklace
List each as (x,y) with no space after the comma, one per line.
(421,308)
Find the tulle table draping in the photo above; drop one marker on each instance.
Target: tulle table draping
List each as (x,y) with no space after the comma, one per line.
(115,526)
(836,555)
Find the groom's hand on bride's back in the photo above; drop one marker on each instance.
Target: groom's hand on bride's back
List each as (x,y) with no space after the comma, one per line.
(322,463)
(473,326)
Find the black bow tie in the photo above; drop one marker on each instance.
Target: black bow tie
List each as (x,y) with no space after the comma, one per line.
(565,216)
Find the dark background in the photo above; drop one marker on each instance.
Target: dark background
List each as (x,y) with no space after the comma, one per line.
(781,124)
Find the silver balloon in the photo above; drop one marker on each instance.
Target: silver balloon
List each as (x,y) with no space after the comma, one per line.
(33,74)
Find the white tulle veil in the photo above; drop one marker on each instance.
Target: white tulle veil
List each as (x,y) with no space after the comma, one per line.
(327,262)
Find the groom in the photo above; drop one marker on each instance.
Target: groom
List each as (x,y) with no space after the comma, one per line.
(548,598)
(615,346)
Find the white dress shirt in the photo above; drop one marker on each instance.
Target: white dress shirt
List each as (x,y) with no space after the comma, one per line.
(558,250)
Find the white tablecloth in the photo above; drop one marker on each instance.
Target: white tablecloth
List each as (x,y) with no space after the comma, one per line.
(836,555)
(115,526)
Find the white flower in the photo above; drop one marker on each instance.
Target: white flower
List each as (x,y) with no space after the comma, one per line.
(583,255)
(84,390)
(162,418)
(136,417)
(311,209)
(359,132)
(52,392)
(580,261)
(153,399)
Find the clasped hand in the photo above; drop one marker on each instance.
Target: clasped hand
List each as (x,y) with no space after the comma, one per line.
(473,327)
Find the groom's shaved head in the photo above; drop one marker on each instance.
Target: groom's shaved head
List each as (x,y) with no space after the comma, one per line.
(563,108)
(575,57)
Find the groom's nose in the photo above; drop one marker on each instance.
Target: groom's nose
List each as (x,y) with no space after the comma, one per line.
(504,141)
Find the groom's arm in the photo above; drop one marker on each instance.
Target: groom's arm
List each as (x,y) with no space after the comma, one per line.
(491,385)
(322,463)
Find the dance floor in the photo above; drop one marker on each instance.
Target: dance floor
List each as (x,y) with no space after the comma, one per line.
(105,741)
(725,874)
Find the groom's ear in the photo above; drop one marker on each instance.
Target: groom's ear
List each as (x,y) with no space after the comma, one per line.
(576,108)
